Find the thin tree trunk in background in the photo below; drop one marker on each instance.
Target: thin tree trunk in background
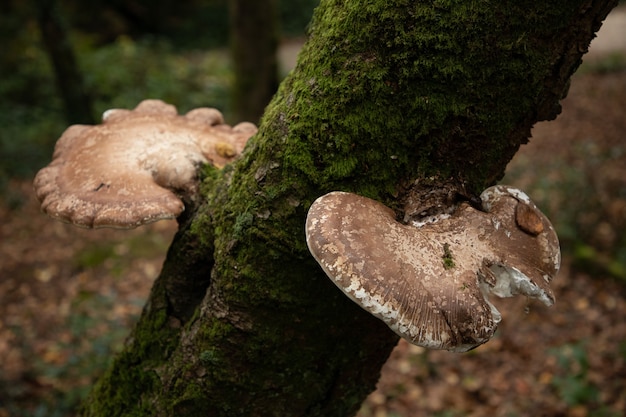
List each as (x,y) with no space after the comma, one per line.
(69,79)
(254,42)
(386,93)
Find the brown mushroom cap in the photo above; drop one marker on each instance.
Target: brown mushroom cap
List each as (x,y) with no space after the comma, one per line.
(135,167)
(429,282)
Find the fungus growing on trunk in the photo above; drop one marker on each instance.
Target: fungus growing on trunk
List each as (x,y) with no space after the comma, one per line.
(430,281)
(137,167)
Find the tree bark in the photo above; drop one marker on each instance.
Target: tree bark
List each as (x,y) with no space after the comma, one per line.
(389,98)
(77,103)
(254,43)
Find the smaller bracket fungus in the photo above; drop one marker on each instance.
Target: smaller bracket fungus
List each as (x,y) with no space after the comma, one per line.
(430,281)
(137,167)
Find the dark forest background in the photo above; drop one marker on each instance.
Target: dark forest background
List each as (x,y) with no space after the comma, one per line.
(114,54)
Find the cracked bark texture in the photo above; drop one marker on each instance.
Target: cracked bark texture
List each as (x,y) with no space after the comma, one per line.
(392,100)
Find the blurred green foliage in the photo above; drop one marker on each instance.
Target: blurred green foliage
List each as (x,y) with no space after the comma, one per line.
(192,24)
(612,62)
(116,255)
(127,51)
(120,74)
(573,384)
(125,72)
(579,199)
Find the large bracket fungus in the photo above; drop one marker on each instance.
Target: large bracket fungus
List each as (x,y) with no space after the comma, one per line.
(430,281)
(137,167)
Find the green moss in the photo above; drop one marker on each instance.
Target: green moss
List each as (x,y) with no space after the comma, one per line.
(414,75)
(208,178)
(119,389)
(210,357)
(214,187)
(216,329)
(243,222)
(448,259)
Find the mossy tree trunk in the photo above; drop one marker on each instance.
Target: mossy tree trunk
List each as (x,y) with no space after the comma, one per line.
(254,43)
(386,95)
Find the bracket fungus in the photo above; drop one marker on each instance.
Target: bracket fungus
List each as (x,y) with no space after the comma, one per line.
(430,281)
(137,167)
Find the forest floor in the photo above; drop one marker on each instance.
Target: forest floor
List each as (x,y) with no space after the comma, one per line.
(68,296)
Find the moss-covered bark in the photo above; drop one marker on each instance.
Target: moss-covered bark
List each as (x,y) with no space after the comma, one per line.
(386,94)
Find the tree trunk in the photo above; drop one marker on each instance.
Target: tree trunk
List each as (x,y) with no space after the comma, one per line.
(386,94)
(254,42)
(78,108)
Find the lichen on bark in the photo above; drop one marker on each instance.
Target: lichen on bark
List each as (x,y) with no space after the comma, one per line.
(386,95)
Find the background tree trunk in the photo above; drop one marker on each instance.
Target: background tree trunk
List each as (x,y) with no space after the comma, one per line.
(241,320)
(77,103)
(254,43)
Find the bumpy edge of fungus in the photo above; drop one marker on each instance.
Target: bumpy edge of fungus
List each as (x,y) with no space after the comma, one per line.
(430,281)
(137,167)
